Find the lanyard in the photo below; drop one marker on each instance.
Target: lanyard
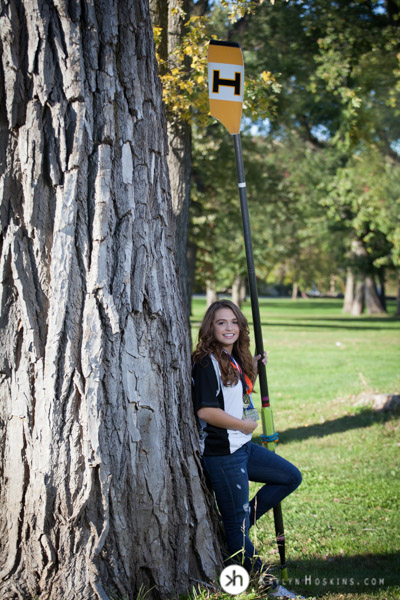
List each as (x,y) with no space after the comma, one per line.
(246,382)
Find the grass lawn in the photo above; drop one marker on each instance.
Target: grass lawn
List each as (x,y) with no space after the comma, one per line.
(343,523)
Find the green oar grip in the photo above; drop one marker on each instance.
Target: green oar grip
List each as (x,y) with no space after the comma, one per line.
(270,437)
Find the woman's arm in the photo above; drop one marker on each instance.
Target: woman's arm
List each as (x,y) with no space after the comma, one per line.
(220,418)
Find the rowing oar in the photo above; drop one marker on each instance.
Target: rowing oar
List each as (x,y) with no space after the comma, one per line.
(225,84)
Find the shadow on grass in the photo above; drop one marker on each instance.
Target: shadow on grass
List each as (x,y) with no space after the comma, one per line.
(352,574)
(365,418)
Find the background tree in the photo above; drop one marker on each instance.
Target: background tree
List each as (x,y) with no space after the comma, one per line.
(100,487)
(183,67)
(336,66)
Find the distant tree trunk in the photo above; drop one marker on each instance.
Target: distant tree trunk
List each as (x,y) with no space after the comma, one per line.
(332,285)
(238,290)
(349,291)
(295,290)
(211,292)
(372,301)
(243,291)
(382,288)
(366,293)
(398,298)
(100,484)
(357,307)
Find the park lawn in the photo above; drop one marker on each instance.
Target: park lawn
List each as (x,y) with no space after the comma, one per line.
(343,523)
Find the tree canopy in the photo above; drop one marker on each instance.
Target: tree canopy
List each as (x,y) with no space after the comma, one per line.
(321,137)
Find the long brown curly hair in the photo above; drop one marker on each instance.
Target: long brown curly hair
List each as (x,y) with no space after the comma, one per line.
(207,344)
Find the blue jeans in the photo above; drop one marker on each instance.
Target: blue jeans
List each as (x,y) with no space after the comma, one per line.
(229,476)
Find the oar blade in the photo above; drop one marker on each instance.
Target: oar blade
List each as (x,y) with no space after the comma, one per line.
(225,83)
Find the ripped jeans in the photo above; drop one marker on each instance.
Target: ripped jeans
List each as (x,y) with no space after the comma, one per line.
(229,476)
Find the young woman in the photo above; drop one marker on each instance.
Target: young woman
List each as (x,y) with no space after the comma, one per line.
(223,375)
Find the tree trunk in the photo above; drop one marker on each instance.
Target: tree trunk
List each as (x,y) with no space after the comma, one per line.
(168,16)
(242,291)
(100,487)
(372,301)
(358,303)
(180,167)
(295,290)
(238,290)
(349,291)
(191,265)
(211,292)
(332,285)
(382,288)
(366,294)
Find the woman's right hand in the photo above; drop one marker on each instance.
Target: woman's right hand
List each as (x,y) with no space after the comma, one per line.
(248,426)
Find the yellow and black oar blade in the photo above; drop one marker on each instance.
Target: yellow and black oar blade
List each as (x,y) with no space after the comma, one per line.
(225,83)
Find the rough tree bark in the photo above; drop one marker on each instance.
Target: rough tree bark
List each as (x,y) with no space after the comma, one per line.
(168,16)
(180,167)
(100,482)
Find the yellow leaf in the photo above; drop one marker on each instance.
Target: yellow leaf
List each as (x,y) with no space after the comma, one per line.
(266,76)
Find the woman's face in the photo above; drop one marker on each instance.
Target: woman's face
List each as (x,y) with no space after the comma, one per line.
(226,328)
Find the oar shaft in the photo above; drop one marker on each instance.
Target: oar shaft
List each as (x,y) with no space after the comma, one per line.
(249,251)
(250,267)
(266,415)
(280,539)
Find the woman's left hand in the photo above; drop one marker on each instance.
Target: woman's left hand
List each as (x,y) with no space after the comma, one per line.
(257,358)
